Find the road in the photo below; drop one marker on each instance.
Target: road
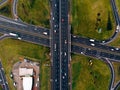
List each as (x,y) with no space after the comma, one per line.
(3,81)
(64,43)
(117,86)
(117,20)
(3,2)
(55,51)
(59,44)
(111,86)
(5,36)
(14,9)
(59,41)
(35,37)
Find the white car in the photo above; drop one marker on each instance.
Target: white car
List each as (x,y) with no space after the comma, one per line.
(45,33)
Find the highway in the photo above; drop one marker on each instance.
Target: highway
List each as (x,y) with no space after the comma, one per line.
(58,41)
(64,43)
(54,44)
(34,37)
(59,44)
(3,81)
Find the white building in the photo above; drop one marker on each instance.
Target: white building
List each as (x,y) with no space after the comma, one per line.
(26,74)
(25,71)
(27,83)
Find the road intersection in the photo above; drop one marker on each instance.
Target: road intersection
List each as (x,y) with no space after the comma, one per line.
(43,36)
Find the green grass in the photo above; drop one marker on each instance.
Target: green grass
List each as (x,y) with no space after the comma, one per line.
(117,71)
(116,42)
(36,12)
(86,77)
(5,10)
(118,5)
(84,18)
(12,50)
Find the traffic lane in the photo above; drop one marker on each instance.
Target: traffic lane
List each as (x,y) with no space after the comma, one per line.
(115,11)
(64,46)
(5,30)
(97,45)
(91,52)
(25,28)
(19,25)
(55,47)
(77,49)
(34,39)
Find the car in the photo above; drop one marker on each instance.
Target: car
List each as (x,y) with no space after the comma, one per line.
(62,20)
(117,48)
(45,33)
(74,36)
(55,31)
(65,54)
(55,5)
(103,41)
(53,18)
(92,44)
(65,41)
(92,40)
(19,38)
(15,84)
(112,49)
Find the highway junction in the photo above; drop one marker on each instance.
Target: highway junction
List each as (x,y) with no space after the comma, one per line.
(61,42)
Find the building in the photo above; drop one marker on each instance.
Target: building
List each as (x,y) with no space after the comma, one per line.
(25,71)
(27,79)
(27,83)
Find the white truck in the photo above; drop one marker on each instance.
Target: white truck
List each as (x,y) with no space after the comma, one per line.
(117,27)
(13,34)
(92,40)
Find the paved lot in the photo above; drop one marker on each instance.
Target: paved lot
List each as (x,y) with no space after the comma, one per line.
(26,64)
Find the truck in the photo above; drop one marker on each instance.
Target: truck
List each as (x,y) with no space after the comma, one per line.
(92,40)
(13,34)
(117,27)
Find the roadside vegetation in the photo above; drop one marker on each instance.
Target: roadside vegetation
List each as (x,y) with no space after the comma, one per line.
(35,12)
(6,9)
(118,6)
(89,73)
(12,51)
(92,18)
(116,42)
(116,66)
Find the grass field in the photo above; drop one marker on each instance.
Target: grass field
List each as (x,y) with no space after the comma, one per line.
(117,71)
(12,50)
(89,77)
(6,9)
(116,42)
(118,5)
(89,16)
(36,12)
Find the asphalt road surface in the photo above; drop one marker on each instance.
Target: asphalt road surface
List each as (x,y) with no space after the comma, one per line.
(3,80)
